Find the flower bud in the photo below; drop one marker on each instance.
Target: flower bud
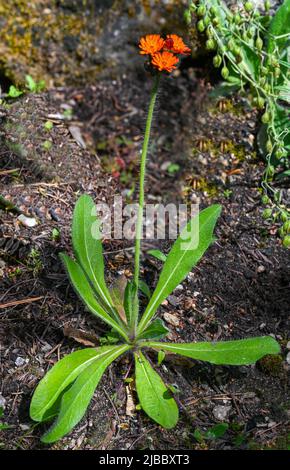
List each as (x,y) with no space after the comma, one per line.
(210,44)
(277,72)
(217,60)
(206,20)
(279,153)
(201,11)
(269,146)
(266,117)
(225,72)
(231,45)
(200,26)
(259,43)
(267,5)
(187,16)
(271,170)
(213,10)
(260,102)
(284,216)
(209,32)
(248,7)
(265,199)
(267,214)
(286,241)
(237,18)
(215,21)
(286,226)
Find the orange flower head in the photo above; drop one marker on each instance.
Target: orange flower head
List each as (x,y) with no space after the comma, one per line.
(151,44)
(164,61)
(176,45)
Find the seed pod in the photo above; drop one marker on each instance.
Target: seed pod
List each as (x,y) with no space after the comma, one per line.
(248,7)
(206,20)
(286,241)
(187,16)
(264,70)
(277,72)
(271,170)
(265,199)
(200,26)
(269,146)
(260,102)
(210,45)
(267,213)
(286,226)
(231,45)
(279,153)
(237,18)
(215,21)
(217,60)
(209,32)
(259,43)
(201,11)
(213,10)
(263,81)
(267,5)
(237,51)
(225,72)
(266,117)
(284,216)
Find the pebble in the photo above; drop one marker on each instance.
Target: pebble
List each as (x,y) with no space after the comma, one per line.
(2,401)
(288,358)
(288,345)
(171,319)
(261,269)
(19,361)
(174,301)
(24,427)
(27,221)
(179,287)
(221,412)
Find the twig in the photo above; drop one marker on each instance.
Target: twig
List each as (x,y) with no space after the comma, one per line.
(21,302)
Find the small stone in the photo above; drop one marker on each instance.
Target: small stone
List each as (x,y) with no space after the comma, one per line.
(262,326)
(261,269)
(24,427)
(179,287)
(288,345)
(174,301)
(221,412)
(19,361)
(288,358)
(27,221)
(171,319)
(2,401)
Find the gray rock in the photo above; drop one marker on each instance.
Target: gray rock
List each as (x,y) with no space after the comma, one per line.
(221,412)
(19,361)
(2,401)
(288,358)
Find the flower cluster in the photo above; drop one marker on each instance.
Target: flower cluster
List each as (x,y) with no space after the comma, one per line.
(163,53)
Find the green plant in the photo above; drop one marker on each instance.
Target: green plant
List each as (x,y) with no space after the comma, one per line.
(66,390)
(14,92)
(33,86)
(252,50)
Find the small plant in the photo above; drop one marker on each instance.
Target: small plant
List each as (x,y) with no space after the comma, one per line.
(14,92)
(48,125)
(252,51)
(33,86)
(66,390)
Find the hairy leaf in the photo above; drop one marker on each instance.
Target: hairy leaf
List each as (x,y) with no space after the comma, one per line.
(185,254)
(77,398)
(62,374)
(86,238)
(83,288)
(154,396)
(238,352)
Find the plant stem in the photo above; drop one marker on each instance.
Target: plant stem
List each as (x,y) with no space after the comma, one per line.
(139,225)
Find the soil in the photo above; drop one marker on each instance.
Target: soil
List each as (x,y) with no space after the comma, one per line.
(239,289)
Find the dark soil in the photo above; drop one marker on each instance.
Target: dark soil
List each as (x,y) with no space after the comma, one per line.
(240,288)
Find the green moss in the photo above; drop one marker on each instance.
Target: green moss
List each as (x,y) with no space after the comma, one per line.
(271,365)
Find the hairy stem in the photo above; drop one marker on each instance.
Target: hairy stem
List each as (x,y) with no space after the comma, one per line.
(139,225)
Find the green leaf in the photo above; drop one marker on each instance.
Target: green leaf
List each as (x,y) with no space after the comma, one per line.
(62,374)
(77,398)
(117,292)
(14,92)
(251,61)
(280,26)
(154,396)
(237,352)
(86,238)
(130,293)
(157,254)
(185,253)
(30,83)
(161,357)
(83,288)
(156,330)
(284,174)
(144,288)
(217,431)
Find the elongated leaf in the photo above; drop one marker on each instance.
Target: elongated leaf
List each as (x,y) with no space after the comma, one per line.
(87,245)
(63,373)
(157,254)
(83,288)
(129,296)
(238,352)
(76,400)
(144,288)
(184,254)
(117,292)
(154,396)
(155,330)
(280,26)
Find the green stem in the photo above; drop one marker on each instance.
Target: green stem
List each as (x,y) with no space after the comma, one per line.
(139,225)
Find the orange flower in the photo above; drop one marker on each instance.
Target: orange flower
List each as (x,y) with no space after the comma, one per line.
(164,61)
(175,44)
(151,44)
